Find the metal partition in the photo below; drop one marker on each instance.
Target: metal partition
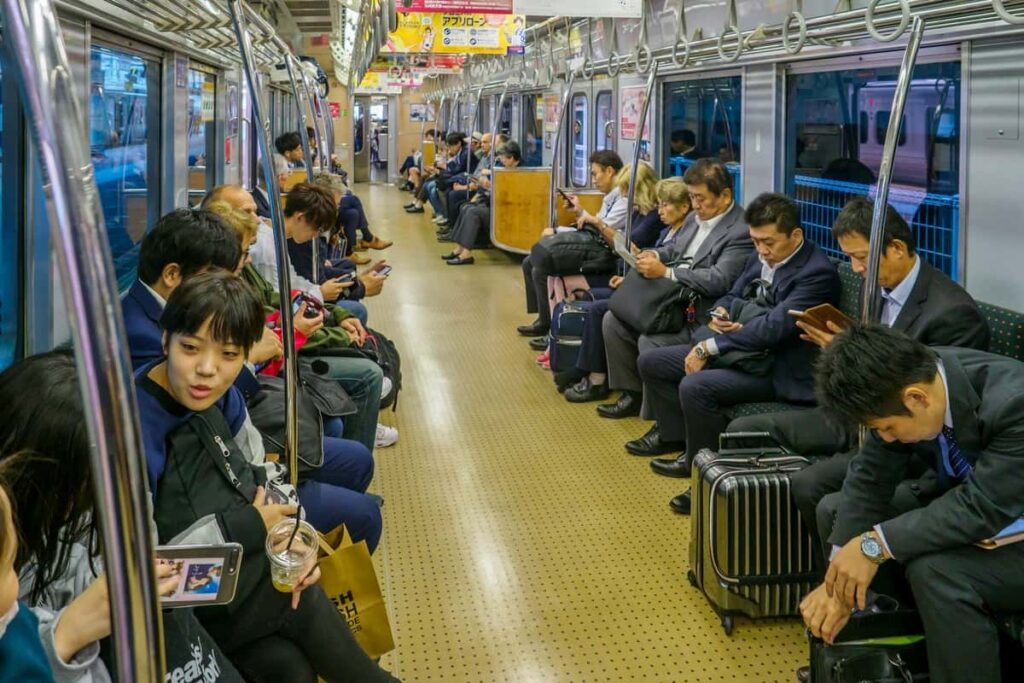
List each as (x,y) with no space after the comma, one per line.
(33,38)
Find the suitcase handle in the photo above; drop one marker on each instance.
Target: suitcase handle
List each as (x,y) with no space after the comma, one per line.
(766,443)
(749,580)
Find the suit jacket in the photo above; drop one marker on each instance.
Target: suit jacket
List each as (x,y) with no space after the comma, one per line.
(647,229)
(262,203)
(939,312)
(986,398)
(718,261)
(806,280)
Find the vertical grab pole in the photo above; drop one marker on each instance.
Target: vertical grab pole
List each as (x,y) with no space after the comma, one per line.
(307,153)
(284,284)
(563,117)
(36,50)
(472,126)
(872,302)
(317,129)
(497,123)
(636,151)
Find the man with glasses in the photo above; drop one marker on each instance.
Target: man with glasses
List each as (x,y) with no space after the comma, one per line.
(708,255)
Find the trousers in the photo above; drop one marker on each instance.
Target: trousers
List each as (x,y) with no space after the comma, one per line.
(623,345)
(362,379)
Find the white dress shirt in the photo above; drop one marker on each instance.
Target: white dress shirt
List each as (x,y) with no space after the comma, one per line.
(264,258)
(768,272)
(613,210)
(894,300)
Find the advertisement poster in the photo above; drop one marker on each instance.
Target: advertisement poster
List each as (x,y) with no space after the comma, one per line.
(618,9)
(420,63)
(550,113)
(419,112)
(390,82)
(478,34)
(335,109)
(457,6)
(630,102)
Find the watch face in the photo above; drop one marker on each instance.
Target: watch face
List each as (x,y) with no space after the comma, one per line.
(871,547)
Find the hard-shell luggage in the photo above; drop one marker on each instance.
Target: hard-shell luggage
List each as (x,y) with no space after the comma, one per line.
(567,323)
(750,552)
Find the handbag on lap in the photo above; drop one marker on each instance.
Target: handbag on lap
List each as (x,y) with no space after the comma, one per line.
(654,306)
(579,252)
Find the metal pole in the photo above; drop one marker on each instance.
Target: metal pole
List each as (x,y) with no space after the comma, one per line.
(284,284)
(311,103)
(307,153)
(872,308)
(36,51)
(497,123)
(472,127)
(563,116)
(636,151)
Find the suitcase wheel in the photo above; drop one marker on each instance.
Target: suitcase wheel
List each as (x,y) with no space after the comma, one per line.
(727,623)
(692,578)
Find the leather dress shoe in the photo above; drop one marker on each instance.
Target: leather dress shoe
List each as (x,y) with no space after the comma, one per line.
(681,503)
(449,255)
(678,467)
(445,237)
(456,261)
(534,329)
(585,391)
(651,444)
(539,344)
(803,674)
(416,209)
(628,405)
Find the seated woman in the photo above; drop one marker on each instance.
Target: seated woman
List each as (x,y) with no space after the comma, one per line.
(673,201)
(189,410)
(475,215)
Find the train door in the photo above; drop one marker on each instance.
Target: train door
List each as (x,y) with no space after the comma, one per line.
(361,138)
(592,126)
(531,140)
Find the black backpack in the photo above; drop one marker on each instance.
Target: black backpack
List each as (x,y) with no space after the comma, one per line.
(381,351)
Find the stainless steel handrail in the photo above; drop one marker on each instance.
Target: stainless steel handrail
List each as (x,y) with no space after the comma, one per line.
(317,119)
(496,117)
(36,49)
(556,165)
(472,128)
(872,308)
(284,285)
(307,152)
(636,151)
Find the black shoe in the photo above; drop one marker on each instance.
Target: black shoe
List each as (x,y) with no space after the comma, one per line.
(409,206)
(628,405)
(449,255)
(678,467)
(681,503)
(460,261)
(416,209)
(584,392)
(445,237)
(534,329)
(803,674)
(651,444)
(539,344)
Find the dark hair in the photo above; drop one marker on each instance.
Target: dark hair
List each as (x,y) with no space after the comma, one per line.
(455,138)
(44,465)
(234,312)
(685,136)
(310,135)
(314,202)
(286,142)
(775,209)
(855,219)
(860,376)
(194,239)
(511,149)
(606,158)
(503,138)
(710,172)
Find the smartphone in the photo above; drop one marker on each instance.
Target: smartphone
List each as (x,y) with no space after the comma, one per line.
(378,266)
(207,574)
(567,198)
(384,271)
(313,307)
(718,315)
(347,277)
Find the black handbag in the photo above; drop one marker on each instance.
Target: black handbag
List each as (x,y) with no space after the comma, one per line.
(874,647)
(578,252)
(653,306)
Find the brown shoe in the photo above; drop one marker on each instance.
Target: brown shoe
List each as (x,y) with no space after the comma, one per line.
(360,246)
(375,243)
(359,259)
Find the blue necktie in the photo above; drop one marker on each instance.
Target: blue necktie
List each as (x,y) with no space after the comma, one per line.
(955,462)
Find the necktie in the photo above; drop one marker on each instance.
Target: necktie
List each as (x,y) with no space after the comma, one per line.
(956,464)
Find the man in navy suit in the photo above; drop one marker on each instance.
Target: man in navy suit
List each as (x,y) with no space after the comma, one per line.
(751,350)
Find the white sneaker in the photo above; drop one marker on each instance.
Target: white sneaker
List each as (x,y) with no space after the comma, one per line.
(385,387)
(386,436)
(438,220)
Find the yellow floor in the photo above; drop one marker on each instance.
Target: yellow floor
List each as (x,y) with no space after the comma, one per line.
(521,542)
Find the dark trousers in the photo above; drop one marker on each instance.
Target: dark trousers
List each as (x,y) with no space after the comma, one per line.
(691,407)
(350,201)
(456,198)
(592,356)
(807,432)
(536,268)
(473,220)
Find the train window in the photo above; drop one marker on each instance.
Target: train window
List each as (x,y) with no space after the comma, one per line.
(202,150)
(533,130)
(505,117)
(836,126)
(703,119)
(579,169)
(604,124)
(124,138)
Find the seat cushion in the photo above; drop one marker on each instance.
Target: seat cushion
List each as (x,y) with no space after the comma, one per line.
(746,409)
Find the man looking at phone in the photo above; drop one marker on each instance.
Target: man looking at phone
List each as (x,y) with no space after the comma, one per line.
(605,164)
(919,301)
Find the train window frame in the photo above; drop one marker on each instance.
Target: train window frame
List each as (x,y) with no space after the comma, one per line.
(210,143)
(941,239)
(597,132)
(155,60)
(570,156)
(528,119)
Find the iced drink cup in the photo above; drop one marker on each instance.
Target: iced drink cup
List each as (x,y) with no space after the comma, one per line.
(290,565)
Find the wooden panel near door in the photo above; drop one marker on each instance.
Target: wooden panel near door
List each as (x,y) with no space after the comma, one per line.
(588,199)
(520,201)
(429,154)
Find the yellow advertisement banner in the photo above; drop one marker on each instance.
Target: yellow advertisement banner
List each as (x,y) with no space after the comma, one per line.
(480,34)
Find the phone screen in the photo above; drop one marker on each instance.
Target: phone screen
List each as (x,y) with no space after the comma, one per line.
(384,271)
(206,574)
(200,579)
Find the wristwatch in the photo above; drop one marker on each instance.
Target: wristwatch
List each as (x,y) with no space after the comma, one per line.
(872,548)
(702,351)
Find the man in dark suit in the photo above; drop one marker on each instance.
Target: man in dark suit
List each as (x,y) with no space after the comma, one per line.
(707,257)
(751,350)
(918,300)
(963,412)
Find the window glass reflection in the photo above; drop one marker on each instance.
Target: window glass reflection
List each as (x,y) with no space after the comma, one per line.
(604,129)
(579,168)
(202,88)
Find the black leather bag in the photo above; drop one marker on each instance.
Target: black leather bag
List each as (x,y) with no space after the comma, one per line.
(881,647)
(577,252)
(655,306)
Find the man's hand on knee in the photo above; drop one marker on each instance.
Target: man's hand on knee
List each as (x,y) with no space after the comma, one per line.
(824,615)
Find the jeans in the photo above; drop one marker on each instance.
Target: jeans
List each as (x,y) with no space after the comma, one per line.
(362,379)
(434,195)
(355,308)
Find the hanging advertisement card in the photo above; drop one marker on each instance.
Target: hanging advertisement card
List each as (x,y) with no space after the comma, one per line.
(457,6)
(480,34)
(630,102)
(618,9)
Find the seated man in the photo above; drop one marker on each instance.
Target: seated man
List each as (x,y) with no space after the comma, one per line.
(917,300)
(962,411)
(460,192)
(751,349)
(460,164)
(708,255)
(605,165)
(289,146)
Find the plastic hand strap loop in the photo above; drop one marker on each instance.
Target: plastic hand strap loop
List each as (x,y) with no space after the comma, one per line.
(727,58)
(614,64)
(643,64)
(683,61)
(1005,14)
(869,21)
(794,48)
